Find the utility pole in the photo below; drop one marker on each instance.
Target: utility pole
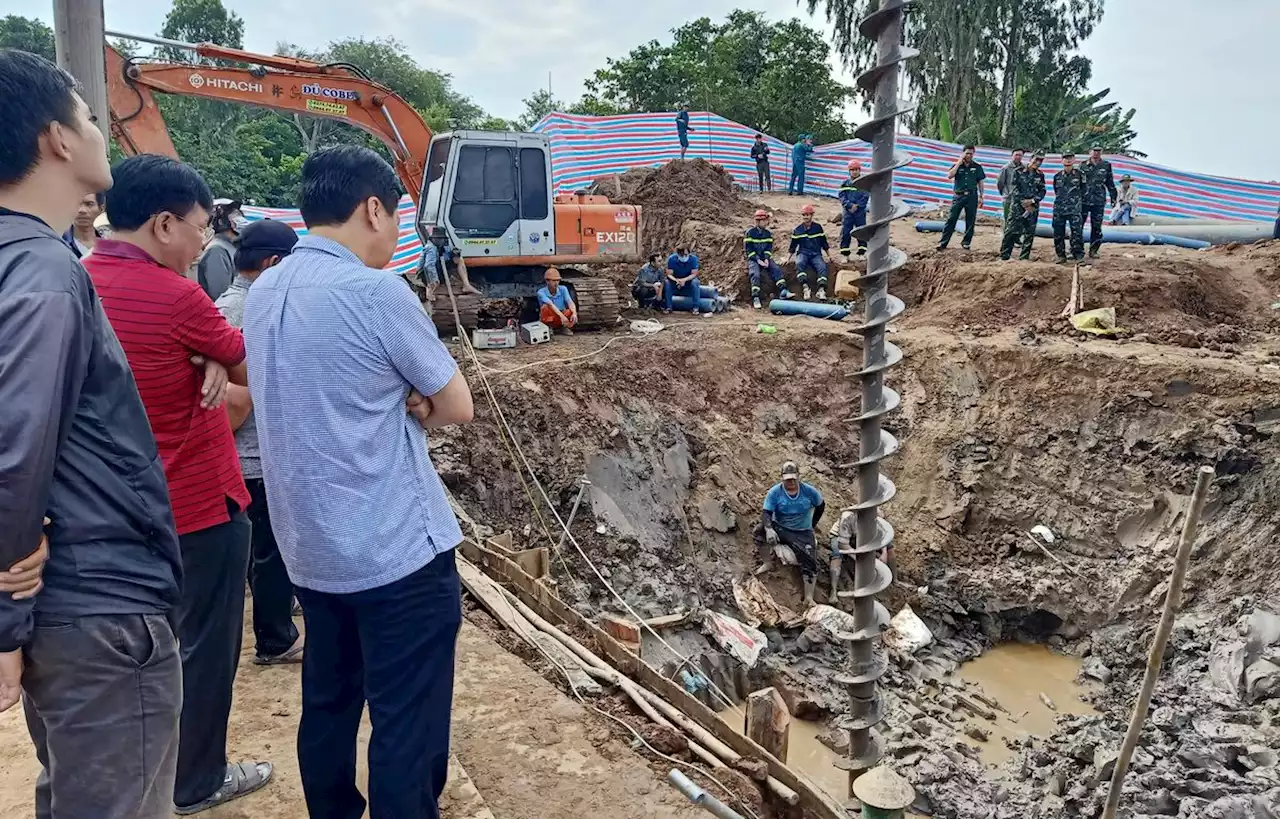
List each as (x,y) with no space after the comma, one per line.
(79,34)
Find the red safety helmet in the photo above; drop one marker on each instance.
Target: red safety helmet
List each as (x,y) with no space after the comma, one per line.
(855,165)
(762,214)
(807,210)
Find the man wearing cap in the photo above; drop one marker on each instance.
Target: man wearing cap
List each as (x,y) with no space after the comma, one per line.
(1004,182)
(555,304)
(792,511)
(810,251)
(1126,202)
(853,208)
(968,176)
(799,155)
(682,278)
(760,153)
(758,245)
(1068,204)
(218,263)
(1020,222)
(262,245)
(1099,185)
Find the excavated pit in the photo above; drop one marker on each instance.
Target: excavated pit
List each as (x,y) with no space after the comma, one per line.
(1009,421)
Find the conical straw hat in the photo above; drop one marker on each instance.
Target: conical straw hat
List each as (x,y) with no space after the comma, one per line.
(882,788)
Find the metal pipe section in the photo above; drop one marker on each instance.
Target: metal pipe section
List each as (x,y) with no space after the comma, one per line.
(160,41)
(1112,236)
(1225,233)
(583,483)
(700,797)
(867,662)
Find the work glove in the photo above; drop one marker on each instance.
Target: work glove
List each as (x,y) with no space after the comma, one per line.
(771,536)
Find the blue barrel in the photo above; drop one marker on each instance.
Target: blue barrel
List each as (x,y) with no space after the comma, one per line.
(787,307)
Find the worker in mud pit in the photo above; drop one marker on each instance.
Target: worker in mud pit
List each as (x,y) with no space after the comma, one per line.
(844,534)
(853,210)
(792,511)
(758,245)
(555,304)
(647,287)
(810,251)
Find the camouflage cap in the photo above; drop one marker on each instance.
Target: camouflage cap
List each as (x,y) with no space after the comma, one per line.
(1038,155)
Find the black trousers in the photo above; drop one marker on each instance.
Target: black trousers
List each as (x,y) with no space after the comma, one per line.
(763,176)
(394,647)
(802,543)
(102,696)
(209,621)
(966,203)
(273,630)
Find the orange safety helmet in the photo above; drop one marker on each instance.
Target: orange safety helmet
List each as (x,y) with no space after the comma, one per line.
(855,165)
(761,214)
(807,210)
(552,275)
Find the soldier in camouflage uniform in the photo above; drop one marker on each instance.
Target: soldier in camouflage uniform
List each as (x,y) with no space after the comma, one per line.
(1099,184)
(1027,191)
(968,176)
(1068,209)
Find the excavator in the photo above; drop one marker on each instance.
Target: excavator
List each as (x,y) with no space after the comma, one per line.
(488,194)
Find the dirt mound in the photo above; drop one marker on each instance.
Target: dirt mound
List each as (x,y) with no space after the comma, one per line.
(670,195)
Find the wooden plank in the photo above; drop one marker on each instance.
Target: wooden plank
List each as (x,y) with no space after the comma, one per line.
(539,598)
(769,721)
(505,540)
(667,620)
(535,562)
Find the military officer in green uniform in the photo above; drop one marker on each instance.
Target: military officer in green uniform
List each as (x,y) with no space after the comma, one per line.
(968,176)
(1100,184)
(1068,209)
(1027,191)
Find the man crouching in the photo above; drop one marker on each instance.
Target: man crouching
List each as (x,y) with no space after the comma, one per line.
(792,510)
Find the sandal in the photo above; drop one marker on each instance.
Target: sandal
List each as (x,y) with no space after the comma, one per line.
(242,779)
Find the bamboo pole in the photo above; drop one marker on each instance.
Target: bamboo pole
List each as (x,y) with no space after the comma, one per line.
(1172,600)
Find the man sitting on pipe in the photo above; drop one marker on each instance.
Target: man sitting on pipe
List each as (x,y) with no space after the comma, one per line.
(810,251)
(682,277)
(792,510)
(555,304)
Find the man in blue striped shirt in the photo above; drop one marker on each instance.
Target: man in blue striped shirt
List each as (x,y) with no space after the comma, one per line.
(345,371)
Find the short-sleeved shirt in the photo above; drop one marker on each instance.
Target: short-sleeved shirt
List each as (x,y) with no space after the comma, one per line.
(334,348)
(682,121)
(561,299)
(969,178)
(649,274)
(231,305)
(680,268)
(794,512)
(162,319)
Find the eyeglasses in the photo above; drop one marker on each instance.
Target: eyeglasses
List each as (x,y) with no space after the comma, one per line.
(206,232)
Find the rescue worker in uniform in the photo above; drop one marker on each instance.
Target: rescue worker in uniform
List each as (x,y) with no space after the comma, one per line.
(1004,182)
(968,176)
(792,511)
(853,210)
(810,251)
(799,155)
(758,245)
(1068,204)
(1099,185)
(683,130)
(760,154)
(1026,193)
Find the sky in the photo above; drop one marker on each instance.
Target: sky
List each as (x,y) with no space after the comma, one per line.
(1202,76)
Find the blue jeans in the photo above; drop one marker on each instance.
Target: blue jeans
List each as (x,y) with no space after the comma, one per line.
(394,646)
(671,290)
(775,273)
(814,262)
(848,222)
(796,185)
(1123,214)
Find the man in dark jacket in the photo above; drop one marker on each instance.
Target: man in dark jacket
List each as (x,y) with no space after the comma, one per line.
(967,199)
(853,210)
(1004,182)
(1099,185)
(97,659)
(760,153)
(1026,194)
(1068,204)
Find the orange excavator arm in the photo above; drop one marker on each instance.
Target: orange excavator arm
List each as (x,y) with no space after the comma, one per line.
(284,84)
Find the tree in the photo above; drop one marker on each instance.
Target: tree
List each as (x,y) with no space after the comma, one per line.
(26,34)
(538,106)
(772,77)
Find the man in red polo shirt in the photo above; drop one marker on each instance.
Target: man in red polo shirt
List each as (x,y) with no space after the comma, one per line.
(159,212)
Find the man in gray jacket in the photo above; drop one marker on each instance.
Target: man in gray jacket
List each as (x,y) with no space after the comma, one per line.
(89,643)
(1004,182)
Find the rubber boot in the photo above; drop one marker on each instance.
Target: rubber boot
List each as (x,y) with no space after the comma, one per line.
(784,293)
(808,294)
(862,251)
(835,580)
(766,566)
(809,584)
(756,302)
(822,294)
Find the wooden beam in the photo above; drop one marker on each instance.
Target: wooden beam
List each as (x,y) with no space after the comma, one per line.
(769,721)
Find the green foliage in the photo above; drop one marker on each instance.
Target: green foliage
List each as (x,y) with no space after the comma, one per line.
(26,35)
(773,77)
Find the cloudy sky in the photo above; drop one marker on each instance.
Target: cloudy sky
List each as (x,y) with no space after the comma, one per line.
(1202,76)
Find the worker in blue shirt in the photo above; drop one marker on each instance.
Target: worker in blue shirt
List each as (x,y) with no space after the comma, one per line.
(682,129)
(758,245)
(810,251)
(799,155)
(555,304)
(792,510)
(853,210)
(682,277)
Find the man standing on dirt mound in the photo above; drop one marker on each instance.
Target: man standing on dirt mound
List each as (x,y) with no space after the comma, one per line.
(346,371)
(792,511)
(758,244)
(1099,184)
(810,251)
(967,199)
(1026,193)
(1068,203)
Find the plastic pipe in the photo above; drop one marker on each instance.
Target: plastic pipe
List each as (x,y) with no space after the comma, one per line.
(787,307)
(699,797)
(1111,235)
(688,305)
(706,292)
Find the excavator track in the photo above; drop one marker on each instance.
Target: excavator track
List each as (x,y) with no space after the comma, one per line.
(597,300)
(442,313)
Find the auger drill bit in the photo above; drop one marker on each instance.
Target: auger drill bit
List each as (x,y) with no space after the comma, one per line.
(867,663)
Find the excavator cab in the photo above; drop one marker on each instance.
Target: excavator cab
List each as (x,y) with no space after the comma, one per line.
(490,195)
